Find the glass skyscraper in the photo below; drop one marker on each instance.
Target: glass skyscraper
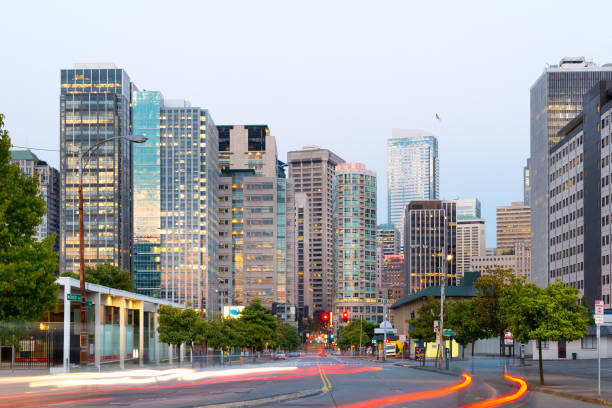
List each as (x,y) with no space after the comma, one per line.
(95,104)
(556,98)
(175,181)
(147,238)
(412,171)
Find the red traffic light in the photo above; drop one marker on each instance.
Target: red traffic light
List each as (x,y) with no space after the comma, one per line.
(345,316)
(325,317)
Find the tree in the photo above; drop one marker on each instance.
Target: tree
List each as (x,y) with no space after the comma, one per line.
(260,327)
(547,314)
(178,326)
(422,325)
(289,338)
(460,317)
(355,333)
(489,315)
(27,281)
(107,274)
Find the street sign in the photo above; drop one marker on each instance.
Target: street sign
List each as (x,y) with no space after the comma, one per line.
(436,326)
(73,297)
(402,338)
(419,352)
(378,330)
(88,303)
(449,332)
(599,312)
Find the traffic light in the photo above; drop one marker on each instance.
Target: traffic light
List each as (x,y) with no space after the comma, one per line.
(325,317)
(345,316)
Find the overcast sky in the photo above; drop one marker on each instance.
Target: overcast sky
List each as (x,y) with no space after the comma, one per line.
(338,74)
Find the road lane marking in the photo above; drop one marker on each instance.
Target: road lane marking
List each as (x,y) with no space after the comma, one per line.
(327,386)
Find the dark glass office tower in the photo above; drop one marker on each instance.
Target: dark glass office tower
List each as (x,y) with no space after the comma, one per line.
(95,104)
(556,98)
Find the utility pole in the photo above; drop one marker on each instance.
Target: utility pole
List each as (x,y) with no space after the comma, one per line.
(84,337)
(385,328)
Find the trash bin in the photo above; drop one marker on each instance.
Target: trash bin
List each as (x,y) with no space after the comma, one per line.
(574,356)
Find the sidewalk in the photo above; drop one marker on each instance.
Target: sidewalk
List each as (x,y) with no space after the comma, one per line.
(574,379)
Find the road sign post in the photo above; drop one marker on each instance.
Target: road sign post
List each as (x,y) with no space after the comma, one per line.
(599,319)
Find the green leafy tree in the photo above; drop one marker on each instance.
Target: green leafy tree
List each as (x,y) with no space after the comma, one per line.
(489,314)
(27,267)
(355,333)
(289,338)
(460,317)
(107,274)
(179,326)
(422,325)
(260,327)
(547,314)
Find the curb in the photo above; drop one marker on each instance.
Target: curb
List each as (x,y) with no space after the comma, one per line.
(562,394)
(267,400)
(435,370)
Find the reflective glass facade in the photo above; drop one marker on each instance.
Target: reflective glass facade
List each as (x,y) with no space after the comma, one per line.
(94,106)
(146,114)
(175,179)
(412,171)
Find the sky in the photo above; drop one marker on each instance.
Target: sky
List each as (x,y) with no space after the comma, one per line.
(337,74)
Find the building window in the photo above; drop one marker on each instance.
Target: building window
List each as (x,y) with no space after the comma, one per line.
(589,342)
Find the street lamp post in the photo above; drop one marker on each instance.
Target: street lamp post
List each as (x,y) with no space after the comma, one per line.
(447,259)
(84,339)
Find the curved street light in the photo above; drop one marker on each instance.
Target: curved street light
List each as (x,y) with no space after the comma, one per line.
(84,339)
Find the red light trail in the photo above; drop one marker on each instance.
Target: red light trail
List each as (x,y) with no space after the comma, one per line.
(506,398)
(396,399)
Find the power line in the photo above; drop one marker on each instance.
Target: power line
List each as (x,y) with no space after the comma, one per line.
(36,148)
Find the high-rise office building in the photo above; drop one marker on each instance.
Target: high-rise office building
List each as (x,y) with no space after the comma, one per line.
(393,279)
(468,208)
(256,222)
(175,202)
(412,171)
(254,242)
(430,244)
(355,252)
(388,239)
(302,251)
(513,225)
(556,98)
(471,242)
(95,105)
(48,178)
(312,171)
(248,147)
(526,183)
(580,199)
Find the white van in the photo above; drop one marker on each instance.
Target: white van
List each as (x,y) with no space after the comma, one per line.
(390,349)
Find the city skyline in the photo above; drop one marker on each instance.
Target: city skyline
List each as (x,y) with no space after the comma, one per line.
(409,79)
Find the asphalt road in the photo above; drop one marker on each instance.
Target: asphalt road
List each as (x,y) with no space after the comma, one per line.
(326,382)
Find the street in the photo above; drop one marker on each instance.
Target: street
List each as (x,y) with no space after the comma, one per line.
(309,381)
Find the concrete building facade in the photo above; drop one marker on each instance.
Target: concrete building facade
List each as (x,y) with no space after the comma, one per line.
(312,171)
(471,242)
(519,261)
(513,225)
(556,98)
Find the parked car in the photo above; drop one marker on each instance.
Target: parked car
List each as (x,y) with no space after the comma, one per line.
(280,355)
(293,354)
